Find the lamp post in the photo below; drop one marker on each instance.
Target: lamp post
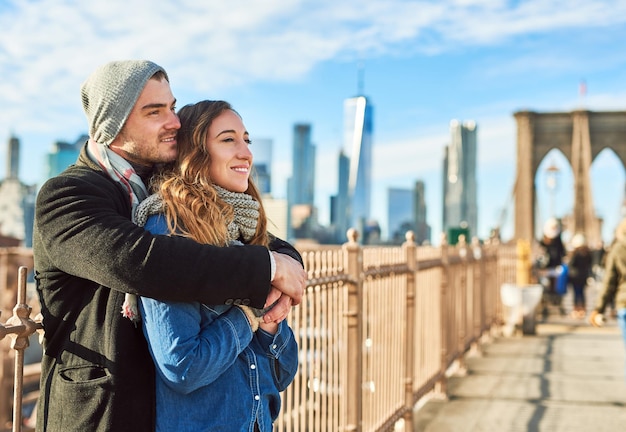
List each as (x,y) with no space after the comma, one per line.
(552,176)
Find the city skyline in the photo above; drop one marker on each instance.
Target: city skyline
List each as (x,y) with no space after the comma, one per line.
(422,63)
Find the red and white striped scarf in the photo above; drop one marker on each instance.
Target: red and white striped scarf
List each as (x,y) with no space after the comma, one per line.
(121,171)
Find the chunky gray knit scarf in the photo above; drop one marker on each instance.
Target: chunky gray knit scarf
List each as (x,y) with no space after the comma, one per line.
(246,214)
(243,226)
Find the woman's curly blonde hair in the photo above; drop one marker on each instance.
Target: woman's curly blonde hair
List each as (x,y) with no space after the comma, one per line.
(192,206)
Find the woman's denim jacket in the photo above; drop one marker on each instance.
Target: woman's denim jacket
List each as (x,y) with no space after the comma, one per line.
(213,372)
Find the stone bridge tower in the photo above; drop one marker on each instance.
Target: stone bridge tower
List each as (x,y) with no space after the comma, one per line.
(580,136)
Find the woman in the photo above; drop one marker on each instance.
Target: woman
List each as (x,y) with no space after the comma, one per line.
(218,367)
(579,271)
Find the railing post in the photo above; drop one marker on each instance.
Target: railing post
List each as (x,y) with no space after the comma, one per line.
(461,302)
(497,275)
(411,258)
(354,397)
(442,385)
(479,294)
(11,259)
(22,328)
(19,327)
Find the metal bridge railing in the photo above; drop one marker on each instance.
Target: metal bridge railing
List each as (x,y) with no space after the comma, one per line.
(378,329)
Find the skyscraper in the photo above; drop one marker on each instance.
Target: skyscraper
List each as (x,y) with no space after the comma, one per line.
(400,216)
(358,128)
(17,200)
(301,184)
(63,155)
(262,151)
(339,202)
(276,212)
(422,229)
(13,158)
(460,208)
(407,211)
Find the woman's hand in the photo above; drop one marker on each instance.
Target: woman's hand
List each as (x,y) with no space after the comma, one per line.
(280,310)
(271,328)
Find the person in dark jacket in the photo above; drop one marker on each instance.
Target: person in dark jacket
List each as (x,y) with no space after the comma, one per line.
(96,371)
(579,270)
(551,259)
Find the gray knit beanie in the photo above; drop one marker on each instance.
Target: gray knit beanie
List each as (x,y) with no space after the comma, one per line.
(110,93)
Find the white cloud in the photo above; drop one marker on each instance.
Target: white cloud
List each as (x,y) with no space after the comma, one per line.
(477,22)
(213,44)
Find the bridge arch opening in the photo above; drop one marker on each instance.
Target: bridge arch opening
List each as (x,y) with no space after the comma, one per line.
(554,185)
(608,183)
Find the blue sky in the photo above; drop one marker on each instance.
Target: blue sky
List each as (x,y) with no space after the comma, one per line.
(280,62)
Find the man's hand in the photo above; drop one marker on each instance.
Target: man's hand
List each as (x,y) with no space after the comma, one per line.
(290,278)
(287,288)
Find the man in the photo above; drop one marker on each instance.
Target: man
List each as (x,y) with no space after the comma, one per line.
(97,374)
(613,290)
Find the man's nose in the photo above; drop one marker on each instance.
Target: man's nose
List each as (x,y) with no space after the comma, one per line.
(173,121)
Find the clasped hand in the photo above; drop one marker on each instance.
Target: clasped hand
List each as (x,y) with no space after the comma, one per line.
(287,287)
